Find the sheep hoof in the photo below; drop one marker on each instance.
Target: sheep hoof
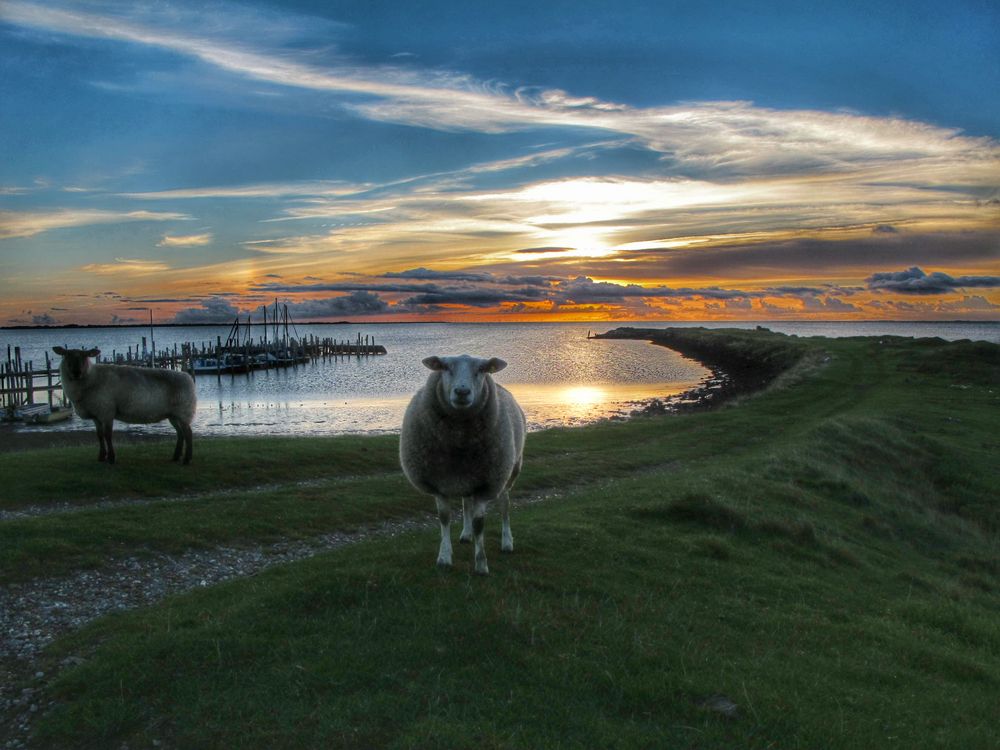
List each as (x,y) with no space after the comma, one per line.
(482,571)
(507,547)
(464,539)
(444,564)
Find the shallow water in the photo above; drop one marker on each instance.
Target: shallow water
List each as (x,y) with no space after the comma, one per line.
(558,375)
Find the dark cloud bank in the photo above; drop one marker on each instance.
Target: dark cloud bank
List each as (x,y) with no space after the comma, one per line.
(418,290)
(915,281)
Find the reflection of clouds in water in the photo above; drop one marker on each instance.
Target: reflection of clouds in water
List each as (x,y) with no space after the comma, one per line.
(557,374)
(544,404)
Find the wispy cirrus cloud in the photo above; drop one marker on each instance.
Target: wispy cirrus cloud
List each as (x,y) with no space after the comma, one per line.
(126,266)
(675,196)
(746,168)
(425,274)
(309,188)
(723,138)
(186,240)
(29,223)
(626,218)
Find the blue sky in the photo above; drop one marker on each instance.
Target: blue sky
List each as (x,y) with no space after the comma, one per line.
(214,156)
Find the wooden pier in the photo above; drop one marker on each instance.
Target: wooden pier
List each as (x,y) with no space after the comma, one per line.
(25,386)
(20,382)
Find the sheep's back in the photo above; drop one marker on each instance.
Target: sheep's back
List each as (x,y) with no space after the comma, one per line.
(143,395)
(153,394)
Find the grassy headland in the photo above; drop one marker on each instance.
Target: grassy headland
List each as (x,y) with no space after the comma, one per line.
(823,555)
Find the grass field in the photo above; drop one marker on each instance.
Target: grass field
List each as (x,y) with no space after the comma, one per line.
(815,567)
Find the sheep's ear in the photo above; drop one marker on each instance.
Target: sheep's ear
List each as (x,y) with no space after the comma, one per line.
(59,350)
(493,365)
(93,352)
(435,363)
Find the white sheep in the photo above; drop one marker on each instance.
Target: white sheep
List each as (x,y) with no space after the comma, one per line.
(138,395)
(463,437)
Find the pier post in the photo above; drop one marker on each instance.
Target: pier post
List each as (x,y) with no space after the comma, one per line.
(18,373)
(48,378)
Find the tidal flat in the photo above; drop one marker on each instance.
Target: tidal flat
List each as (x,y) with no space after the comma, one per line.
(814,564)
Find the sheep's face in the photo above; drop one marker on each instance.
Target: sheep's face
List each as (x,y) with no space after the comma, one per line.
(76,361)
(463,379)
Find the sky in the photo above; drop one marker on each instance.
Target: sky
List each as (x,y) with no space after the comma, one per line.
(516,161)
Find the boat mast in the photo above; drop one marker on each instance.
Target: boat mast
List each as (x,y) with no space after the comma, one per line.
(233,339)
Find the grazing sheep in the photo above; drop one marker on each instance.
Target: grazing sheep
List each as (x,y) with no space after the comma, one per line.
(138,395)
(463,437)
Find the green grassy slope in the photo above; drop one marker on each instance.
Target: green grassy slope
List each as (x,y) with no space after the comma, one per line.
(824,555)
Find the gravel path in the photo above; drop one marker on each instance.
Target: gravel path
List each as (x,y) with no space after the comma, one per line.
(35,613)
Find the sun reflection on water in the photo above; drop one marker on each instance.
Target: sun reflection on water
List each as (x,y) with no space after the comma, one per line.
(583,397)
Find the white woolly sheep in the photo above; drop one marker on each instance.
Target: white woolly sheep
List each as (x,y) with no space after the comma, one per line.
(463,437)
(138,395)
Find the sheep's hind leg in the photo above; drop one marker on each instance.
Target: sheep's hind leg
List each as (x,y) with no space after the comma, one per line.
(506,538)
(189,437)
(444,516)
(176,424)
(466,536)
(478,524)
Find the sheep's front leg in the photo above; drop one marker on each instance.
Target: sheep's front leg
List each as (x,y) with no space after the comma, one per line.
(466,536)
(478,524)
(506,538)
(444,516)
(103,454)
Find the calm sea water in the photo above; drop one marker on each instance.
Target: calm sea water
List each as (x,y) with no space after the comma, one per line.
(558,375)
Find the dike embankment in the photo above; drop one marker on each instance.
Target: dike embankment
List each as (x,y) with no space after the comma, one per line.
(741,361)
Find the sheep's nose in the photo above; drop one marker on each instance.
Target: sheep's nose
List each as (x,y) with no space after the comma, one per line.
(462,391)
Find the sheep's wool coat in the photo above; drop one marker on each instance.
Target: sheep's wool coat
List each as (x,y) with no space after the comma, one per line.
(132,394)
(456,454)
